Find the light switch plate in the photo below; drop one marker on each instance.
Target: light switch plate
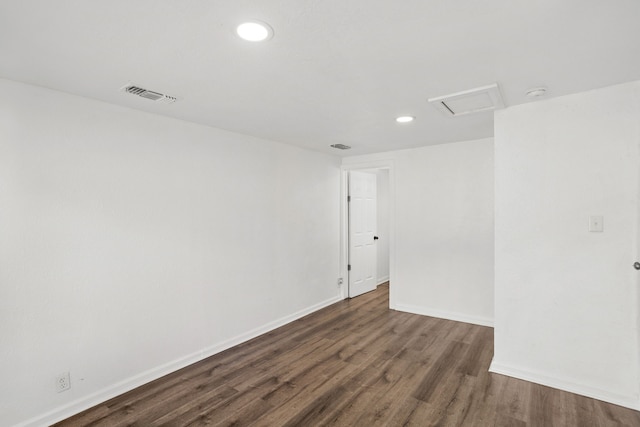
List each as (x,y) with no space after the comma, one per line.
(596,223)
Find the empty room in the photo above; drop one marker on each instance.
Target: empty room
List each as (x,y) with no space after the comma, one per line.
(319,213)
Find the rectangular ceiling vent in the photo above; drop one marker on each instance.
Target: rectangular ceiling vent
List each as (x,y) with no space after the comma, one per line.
(340,146)
(149,94)
(485,98)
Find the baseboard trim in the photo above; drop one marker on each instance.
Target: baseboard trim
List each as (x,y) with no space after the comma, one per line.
(631,402)
(382,280)
(82,404)
(449,315)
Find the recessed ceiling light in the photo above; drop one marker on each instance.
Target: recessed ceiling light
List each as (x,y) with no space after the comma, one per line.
(405,119)
(254,31)
(536,92)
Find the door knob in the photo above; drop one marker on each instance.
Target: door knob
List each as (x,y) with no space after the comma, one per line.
(636,265)
(376,238)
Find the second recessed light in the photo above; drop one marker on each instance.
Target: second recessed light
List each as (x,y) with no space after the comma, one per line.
(254,31)
(405,119)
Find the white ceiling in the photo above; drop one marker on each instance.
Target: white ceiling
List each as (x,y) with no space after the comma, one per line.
(336,71)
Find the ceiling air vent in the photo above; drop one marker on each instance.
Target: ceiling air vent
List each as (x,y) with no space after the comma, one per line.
(485,98)
(149,94)
(340,146)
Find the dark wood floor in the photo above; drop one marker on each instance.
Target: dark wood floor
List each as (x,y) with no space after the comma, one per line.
(355,363)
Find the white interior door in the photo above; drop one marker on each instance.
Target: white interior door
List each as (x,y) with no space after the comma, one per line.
(362,230)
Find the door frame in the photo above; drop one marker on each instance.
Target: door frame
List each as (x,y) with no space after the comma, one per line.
(349,165)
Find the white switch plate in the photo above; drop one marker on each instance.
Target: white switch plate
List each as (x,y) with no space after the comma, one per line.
(596,223)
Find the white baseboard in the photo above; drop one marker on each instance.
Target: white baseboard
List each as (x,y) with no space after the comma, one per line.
(382,280)
(631,402)
(84,403)
(449,315)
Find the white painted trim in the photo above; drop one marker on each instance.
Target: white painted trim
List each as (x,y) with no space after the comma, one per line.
(344,241)
(129,384)
(449,315)
(344,229)
(383,279)
(632,402)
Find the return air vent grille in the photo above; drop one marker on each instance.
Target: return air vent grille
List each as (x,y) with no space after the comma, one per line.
(149,94)
(485,98)
(340,146)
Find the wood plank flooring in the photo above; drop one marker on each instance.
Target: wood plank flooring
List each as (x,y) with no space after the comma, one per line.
(355,363)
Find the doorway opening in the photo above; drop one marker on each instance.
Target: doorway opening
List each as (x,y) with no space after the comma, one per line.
(367,228)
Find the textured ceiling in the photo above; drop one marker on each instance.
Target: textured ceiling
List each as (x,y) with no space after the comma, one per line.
(336,71)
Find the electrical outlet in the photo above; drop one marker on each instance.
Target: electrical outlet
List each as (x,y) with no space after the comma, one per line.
(339,281)
(596,223)
(63,382)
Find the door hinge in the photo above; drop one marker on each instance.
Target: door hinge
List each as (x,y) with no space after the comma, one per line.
(348,198)
(349,267)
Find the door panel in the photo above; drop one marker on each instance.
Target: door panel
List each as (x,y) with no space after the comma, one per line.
(362,229)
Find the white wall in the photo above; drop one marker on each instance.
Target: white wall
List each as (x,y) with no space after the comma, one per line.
(566,299)
(442,229)
(133,244)
(383,225)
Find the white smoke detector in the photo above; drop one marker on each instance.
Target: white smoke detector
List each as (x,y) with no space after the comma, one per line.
(536,92)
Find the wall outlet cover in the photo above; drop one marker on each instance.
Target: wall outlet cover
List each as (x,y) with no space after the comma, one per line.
(63,382)
(596,223)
